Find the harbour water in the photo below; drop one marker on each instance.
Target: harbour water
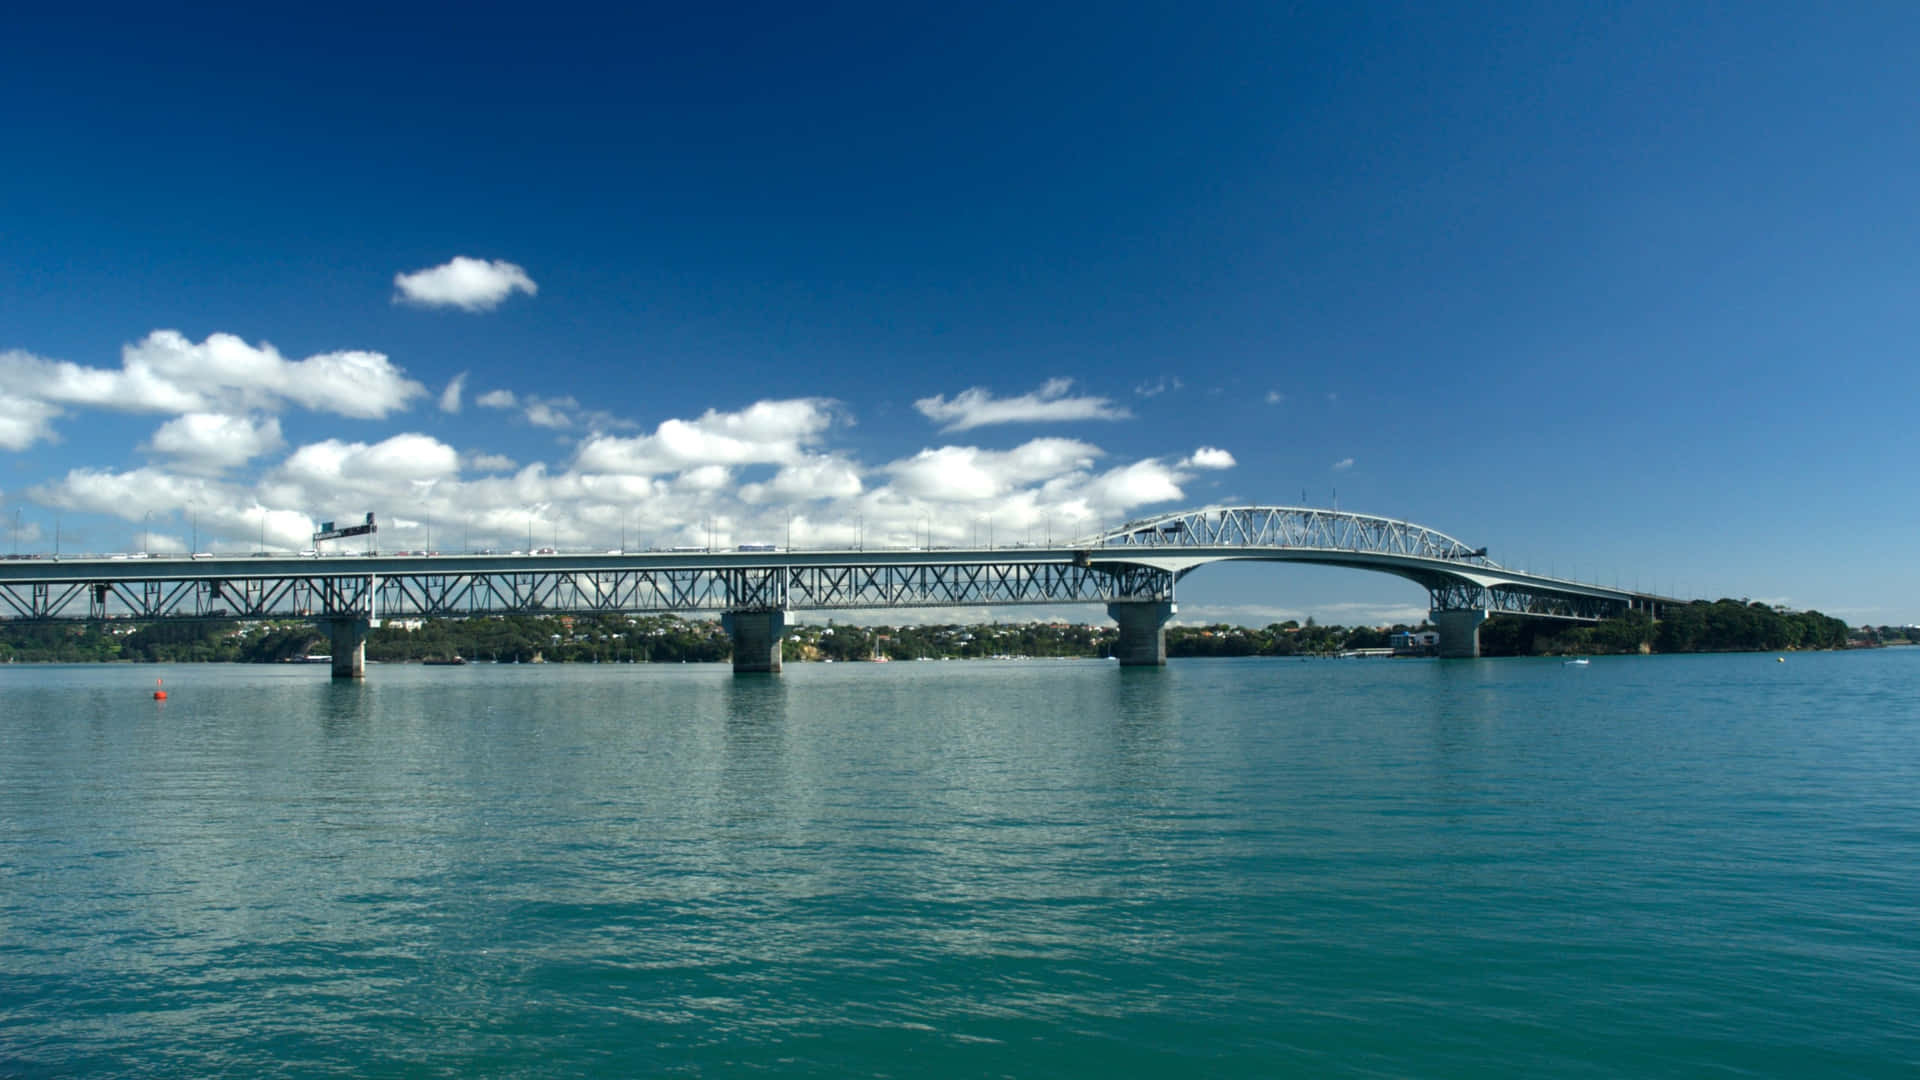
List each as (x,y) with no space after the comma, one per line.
(1649,866)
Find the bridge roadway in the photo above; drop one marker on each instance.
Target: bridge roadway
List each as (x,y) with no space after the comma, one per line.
(1132,569)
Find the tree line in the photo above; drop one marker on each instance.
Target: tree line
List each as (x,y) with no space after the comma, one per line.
(1721,626)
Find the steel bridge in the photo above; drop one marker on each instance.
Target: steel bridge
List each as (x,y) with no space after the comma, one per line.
(1132,569)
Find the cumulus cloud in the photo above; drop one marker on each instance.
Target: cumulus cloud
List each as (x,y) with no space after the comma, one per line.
(765,433)
(551,412)
(226,514)
(165,372)
(24,421)
(978,407)
(136,387)
(1156,387)
(133,495)
(1209,457)
(1142,483)
(764,472)
(450,397)
(334,464)
(1275,397)
(469,284)
(1343,464)
(216,440)
(815,478)
(970,474)
(491,462)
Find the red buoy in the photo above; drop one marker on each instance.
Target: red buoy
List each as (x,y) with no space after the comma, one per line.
(158,694)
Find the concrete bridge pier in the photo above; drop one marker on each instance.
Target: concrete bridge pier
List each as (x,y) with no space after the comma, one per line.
(1459,632)
(1143,631)
(756,639)
(349,638)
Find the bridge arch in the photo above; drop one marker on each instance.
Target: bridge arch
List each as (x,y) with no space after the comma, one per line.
(1463,583)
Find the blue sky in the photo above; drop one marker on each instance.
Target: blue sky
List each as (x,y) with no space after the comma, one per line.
(1621,291)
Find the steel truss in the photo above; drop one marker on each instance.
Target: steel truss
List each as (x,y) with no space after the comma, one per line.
(579,592)
(1289,527)
(1458,595)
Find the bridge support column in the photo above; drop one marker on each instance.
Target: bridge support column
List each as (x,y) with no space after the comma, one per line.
(1459,632)
(349,638)
(1143,631)
(756,639)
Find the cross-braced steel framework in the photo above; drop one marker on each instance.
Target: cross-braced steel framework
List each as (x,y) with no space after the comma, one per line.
(1140,561)
(331,591)
(1289,527)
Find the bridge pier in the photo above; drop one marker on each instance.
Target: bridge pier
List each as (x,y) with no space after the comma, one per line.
(756,639)
(1459,632)
(1143,631)
(349,637)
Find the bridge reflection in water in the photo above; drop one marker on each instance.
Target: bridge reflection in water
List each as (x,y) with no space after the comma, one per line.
(1133,570)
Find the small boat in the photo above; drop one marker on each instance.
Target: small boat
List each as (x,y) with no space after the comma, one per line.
(1577,662)
(445,663)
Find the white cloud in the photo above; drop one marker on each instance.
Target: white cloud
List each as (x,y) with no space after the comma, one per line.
(757,474)
(977,407)
(133,388)
(765,433)
(227,518)
(551,412)
(356,384)
(167,373)
(380,466)
(1210,457)
(490,462)
(1275,397)
(1142,483)
(216,440)
(466,283)
(704,478)
(24,421)
(1156,387)
(1343,464)
(450,397)
(970,474)
(814,478)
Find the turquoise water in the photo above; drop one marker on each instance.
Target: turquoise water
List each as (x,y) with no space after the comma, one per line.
(1678,866)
